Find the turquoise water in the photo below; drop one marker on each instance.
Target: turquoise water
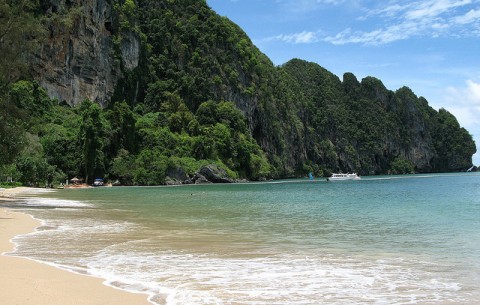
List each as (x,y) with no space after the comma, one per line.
(381,240)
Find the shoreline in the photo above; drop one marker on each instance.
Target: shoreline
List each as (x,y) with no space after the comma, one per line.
(25,281)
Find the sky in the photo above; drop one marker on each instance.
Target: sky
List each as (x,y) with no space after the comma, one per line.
(430,46)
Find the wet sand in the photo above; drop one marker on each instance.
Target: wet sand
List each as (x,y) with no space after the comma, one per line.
(25,282)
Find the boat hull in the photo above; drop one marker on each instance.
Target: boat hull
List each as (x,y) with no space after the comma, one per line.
(343,177)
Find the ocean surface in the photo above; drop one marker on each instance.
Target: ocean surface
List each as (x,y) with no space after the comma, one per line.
(411,239)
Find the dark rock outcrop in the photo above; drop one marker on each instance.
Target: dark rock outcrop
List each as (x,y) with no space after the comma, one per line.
(207,174)
(200,179)
(177,174)
(215,174)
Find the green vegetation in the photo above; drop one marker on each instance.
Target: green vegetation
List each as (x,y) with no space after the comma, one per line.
(201,94)
(402,166)
(8,185)
(20,34)
(59,142)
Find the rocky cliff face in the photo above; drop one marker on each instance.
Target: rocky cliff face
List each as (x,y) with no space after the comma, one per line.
(78,60)
(302,116)
(411,138)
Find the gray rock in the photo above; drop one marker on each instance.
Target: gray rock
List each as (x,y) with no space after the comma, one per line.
(78,61)
(177,174)
(215,174)
(200,179)
(189,181)
(170,181)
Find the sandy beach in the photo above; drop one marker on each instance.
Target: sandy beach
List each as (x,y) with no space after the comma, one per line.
(25,282)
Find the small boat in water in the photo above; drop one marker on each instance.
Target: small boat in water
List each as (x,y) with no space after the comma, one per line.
(343,177)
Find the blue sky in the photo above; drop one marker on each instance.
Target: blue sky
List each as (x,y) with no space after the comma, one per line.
(431,46)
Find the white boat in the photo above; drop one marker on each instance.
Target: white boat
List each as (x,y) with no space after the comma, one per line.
(343,177)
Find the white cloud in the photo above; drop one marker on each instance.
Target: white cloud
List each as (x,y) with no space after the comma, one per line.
(468,95)
(379,36)
(464,103)
(473,92)
(387,12)
(297,38)
(433,8)
(334,2)
(414,10)
(306,6)
(403,20)
(470,17)
(387,22)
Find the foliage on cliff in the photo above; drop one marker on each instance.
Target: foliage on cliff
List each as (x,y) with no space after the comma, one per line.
(203,93)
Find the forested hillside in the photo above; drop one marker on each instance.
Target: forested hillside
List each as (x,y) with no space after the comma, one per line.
(147,92)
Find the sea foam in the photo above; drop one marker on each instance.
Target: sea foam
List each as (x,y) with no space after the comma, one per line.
(55,203)
(186,278)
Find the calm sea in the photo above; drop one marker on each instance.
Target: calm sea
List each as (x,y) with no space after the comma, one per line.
(381,240)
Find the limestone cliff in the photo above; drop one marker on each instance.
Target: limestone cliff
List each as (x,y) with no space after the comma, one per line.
(149,52)
(78,60)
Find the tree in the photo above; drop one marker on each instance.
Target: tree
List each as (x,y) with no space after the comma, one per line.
(123,167)
(150,168)
(11,132)
(32,164)
(92,140)
(122,122)
(402,166)
(20,33)
(60,144)
(453,144)
(31,97)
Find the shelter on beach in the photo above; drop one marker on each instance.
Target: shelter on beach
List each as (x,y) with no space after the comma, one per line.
(76,180)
